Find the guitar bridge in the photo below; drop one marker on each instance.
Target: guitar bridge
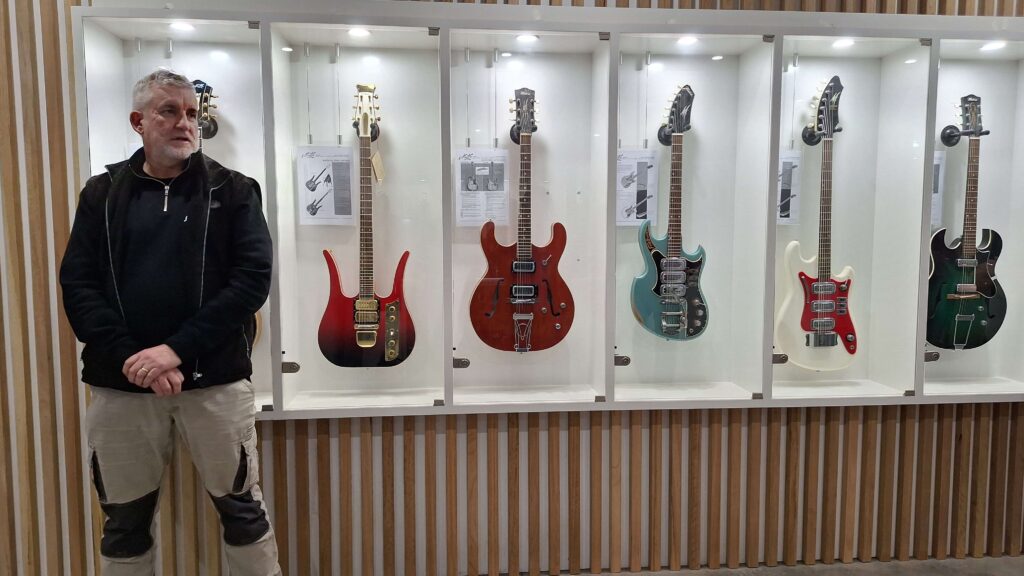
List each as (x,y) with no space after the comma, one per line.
(821,339)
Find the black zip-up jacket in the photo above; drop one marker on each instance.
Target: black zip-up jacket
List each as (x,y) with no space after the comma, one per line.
(225,266)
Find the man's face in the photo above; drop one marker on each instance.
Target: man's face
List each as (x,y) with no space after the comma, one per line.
(168,124)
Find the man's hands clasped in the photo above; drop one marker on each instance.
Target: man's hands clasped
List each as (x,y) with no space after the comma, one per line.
(155,368)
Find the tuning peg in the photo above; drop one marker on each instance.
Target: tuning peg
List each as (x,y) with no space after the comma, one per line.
(512,110)
(378,118)
(376,96)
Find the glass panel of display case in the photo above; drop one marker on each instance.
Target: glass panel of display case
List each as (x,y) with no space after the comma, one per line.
(974,320)
(358,215)
(848,236)
(530,321)
(692,193)
(223,54)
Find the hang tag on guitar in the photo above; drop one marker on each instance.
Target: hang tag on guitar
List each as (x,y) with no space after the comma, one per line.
(378,167)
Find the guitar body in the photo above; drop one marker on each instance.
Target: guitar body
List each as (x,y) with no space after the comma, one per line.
(794,330)
(673,317)
(959,320)
(344,345)
(521,327)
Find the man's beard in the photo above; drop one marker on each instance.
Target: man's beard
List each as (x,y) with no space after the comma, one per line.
(179,153)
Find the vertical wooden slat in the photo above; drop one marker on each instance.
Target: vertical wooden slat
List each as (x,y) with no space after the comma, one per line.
(654,493)
(615,493)
(675,490)
(694,491)
(753,520)
(472,498)
(905,481)
(345,508)
(187,510)
(168,532)
(493,545)
(554,493)
(635,489)
(574,492)
(872,6)
(1015,500)
(792,505)
(968,8)
(513,493)
(451,502)
(1005,8)
(979,485)
(997,481)
(409,492)
(533,490)
(323,489)
(281,525)
(812,448)
(367,532)
(732,540)
(948,7)
(923,491)
(773,464)
(212,541)
(302,508)
(943,469)
(988,7)
(886,481)
(714,496)
(961,479)
(868,470)
(830,485)
(430,491)
(387,478)
(596,494)
(848,505)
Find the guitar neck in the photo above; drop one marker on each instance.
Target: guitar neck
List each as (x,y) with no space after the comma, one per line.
(969,245)
(825,212)
(524,249)
(365,220)
(675,199)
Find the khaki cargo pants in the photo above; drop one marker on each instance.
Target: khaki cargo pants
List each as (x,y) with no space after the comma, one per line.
(131,438)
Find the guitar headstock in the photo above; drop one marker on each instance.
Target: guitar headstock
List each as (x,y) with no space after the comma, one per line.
(678,120)
(366,117)
(524,107)
(826,114)
(207,119)
(970,122)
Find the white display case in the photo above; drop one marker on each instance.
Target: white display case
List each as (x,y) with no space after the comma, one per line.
(721,176)
(116,52)
(994,72)
(877,170)
(569,77)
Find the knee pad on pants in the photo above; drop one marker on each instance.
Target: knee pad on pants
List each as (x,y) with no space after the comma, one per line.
(126,532)
(243,518)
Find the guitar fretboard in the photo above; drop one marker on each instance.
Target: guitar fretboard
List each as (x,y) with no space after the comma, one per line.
(969,245)
(365,220)
(524,247)
(825,213)
(675,199)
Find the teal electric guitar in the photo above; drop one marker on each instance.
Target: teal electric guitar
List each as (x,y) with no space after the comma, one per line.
(667,299)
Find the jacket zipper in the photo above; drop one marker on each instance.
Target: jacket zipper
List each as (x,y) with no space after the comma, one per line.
(196,374)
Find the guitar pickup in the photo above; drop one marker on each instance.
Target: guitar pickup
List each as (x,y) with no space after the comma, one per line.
(823,306)
(673,277)
(524,291)
(524,267)
(966,288)
(967,262)
(823,288)
(673,264)
(821,339)
(965,317)
(822,324)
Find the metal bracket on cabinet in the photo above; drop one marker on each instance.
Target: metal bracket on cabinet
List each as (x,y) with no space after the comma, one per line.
(931,356)
(780,358)
(600,399)
(434,30)
(926,41)
(254,24)
(768,38)
(757,396)
(622,360)
(438,401)
(909,393)
(604,35)
(267,408)
(290,367)
(460,362)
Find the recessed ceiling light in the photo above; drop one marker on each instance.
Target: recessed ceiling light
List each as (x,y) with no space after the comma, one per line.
(359,32)
(910,61)
(843,43)
(526,38)
(182,26)
(997,45)
(717,58)
(687,41)
(287,49)
(506,54)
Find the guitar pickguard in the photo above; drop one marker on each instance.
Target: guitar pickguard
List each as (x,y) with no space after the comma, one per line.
(826,314)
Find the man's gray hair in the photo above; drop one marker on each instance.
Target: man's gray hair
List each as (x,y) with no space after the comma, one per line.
(143,90)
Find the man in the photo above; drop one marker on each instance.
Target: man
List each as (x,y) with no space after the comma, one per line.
(169,259)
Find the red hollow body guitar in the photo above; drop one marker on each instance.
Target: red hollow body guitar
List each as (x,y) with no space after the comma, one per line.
(522,304)
(366,330)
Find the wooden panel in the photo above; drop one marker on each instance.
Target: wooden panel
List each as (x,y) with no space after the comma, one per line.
(988,7)
(493,543)
(554,493)
(187,511)
(868,471)
(792,504)
(280,519)
(714,496)
(345,471)
(654,508)
(533,490)
(968,7)
(980,476)
(848,504)
(451,502)
(323,492)
(472,498)
(615,493)
(694,491)
(513,493)
(1015,500)
(596,494)
(753,535)
(923,491)
(830,485)
(409,492)
(948,7)
(635,489)
(302,488)
(997,481)
(574,492)
(675,490)
(366,533)
(430,492)
(387,488)
(887,481)
(943,469)
(773,464)
(211,537)
(812,465)
(904,482)
(961,479)
(732,539)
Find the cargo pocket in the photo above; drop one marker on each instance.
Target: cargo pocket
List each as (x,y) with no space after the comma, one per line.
(97,477)
(247,473)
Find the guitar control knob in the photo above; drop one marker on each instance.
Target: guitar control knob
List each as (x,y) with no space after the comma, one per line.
(843,287)
(700,312)
(562,305)
(391,343)
(544,310)
(850,337)
(984,322)
(696,323)
(558,326)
